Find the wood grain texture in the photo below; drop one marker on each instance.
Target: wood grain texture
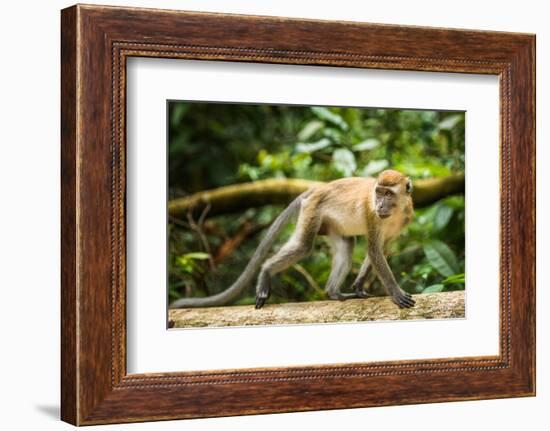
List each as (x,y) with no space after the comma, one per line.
(96,41)
(69,326)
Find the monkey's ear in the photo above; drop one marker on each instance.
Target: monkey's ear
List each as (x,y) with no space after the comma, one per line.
(409,186)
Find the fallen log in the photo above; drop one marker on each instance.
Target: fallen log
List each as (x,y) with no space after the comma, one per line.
(443,305)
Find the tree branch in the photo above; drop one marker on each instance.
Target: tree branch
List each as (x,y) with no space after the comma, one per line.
(238,197)
(442,305)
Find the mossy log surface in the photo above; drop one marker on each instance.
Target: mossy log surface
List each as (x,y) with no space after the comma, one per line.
(442,305)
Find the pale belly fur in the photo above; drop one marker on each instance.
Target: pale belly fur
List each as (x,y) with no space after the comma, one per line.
(348,223)
(354,223)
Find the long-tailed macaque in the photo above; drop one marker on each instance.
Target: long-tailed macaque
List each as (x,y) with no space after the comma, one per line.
(378,208)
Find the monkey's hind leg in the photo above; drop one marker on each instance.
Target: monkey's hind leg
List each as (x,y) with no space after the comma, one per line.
(363,282)
(342,248)
(297,247)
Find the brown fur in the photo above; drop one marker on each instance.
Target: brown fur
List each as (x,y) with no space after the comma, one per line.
(343,209)
(391,178)
(348,201)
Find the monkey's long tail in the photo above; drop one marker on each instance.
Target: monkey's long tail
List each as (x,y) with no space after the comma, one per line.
(251,270)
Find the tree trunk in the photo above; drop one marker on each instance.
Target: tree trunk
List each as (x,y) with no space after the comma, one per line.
(442,305)
(239,197)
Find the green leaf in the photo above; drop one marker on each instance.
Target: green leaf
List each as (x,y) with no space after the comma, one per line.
(434,288)
(450,122)
(186,265)
(335,135)
(301,162)
(251,172)
(303,147)
(178,112)
(197,255)
(344,161)
(310,129)
(374,166)
(442,216)
(441,257)
(366,145)
(327,115)
(455,279)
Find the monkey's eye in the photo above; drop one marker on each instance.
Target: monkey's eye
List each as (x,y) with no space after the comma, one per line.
(389,194)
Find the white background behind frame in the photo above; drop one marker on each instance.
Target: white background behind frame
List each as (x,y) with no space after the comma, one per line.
(153,348)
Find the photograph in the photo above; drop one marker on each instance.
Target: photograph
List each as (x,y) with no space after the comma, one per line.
(294,214)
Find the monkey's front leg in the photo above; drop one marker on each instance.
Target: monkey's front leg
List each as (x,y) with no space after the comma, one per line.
(380,264)
(363,282)
(342,248)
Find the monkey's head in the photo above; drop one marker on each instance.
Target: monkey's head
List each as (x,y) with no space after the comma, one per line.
(392,193)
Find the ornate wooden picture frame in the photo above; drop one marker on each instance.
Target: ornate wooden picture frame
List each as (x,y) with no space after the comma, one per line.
(96,42)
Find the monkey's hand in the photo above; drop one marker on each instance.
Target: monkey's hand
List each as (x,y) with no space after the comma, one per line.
(403,299)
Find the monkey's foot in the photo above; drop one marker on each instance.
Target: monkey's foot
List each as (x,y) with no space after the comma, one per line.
(261,298)
(403,299)
(362,293)
(260,302)
(263,289)
(343,296)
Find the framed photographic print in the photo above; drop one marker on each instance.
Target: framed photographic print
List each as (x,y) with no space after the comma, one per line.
(322,214)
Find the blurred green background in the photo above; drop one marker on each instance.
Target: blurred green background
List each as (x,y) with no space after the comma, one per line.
(218,144)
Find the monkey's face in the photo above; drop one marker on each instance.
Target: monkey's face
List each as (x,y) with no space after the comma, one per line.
(385,201)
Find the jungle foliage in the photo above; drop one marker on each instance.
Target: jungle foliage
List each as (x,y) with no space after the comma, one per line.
(214,144)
